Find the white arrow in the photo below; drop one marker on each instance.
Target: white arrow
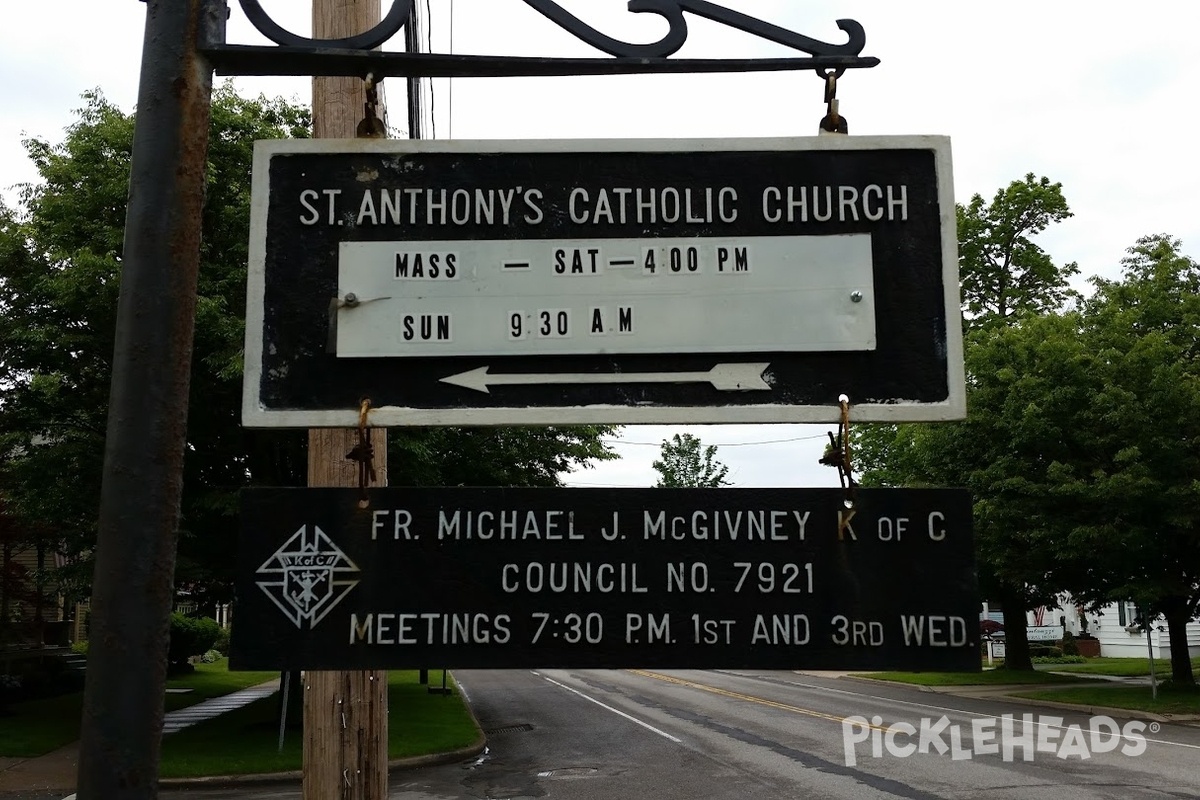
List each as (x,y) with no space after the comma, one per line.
(723,377)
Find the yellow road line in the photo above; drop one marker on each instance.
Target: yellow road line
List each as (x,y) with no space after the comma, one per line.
(749,698)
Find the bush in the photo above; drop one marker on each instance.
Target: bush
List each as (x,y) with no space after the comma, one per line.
(222,642)
(190,636)
(37,676)
(211,657)
(1045,651)
(80,647)
(1069,646)
(1064,659)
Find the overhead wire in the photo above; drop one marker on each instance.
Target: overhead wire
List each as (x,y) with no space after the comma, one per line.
(724,444)
(429,49)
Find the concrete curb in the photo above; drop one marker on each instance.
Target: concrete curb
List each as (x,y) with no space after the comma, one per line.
(1002,693)
(295,776)
(1107,711)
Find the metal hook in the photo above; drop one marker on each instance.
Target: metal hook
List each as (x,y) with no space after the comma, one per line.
(364,454)
(832,122)
(837,454)
(372,126)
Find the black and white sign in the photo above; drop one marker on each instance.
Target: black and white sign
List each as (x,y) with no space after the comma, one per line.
(696,578)
(618,282)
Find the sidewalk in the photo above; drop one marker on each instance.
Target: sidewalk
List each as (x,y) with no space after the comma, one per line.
(56,771)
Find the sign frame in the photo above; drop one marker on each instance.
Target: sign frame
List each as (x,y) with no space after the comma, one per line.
(261,410)
(508,578)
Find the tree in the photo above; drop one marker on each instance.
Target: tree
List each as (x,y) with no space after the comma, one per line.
(60,257)
(492,456)
(1026,381)
(685,463)
(1134,502)
(1010,289)
(1080,446)
(1003,272)
(60,260)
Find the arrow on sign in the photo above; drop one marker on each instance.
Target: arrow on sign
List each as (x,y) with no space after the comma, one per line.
(723,377)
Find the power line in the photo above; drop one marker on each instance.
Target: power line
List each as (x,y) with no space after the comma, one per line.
(429,49)
(725,444)
(613,485)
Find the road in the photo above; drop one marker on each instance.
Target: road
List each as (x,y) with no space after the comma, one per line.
(684,735)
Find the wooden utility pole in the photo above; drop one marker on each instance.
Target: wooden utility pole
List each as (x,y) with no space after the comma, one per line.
(345,713)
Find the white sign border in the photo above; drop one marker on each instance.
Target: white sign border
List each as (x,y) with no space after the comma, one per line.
(256,415)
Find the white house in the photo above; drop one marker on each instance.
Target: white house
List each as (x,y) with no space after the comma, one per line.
(1114,627)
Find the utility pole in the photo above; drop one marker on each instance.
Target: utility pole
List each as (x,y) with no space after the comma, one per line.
(133,589)
(345,713)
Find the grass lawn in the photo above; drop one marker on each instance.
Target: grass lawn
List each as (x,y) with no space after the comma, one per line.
(1170,700)
(1124,667)
(995,677)
(36,727)
(245,741)
(212,680)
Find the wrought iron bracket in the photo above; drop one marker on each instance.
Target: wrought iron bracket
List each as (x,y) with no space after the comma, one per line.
(356,57)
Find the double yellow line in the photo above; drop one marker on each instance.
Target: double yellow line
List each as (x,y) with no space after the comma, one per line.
(749,698)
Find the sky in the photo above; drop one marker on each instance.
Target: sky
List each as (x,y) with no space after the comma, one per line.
(1098,96)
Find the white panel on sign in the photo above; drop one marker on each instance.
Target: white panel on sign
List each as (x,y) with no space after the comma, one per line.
(1043,633)
(663,295)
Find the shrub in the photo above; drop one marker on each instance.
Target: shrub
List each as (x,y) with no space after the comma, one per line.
(222,642)
(1064,659)
(1045,650)
(211,657)
(80,647)
(190,636)
(1069,646)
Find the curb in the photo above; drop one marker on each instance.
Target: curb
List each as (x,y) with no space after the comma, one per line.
(295,776)
(973,693)
(1108,711)
(878,682)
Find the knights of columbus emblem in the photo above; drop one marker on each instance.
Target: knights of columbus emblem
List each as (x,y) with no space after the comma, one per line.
(307,576)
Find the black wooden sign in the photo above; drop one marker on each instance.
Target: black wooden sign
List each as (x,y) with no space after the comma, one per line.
(617,282)
(688,578)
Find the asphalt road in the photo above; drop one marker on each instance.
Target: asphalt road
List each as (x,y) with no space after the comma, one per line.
(684,735)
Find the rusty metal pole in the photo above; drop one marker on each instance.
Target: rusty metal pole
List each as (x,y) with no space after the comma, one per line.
(345,713)
(147,418)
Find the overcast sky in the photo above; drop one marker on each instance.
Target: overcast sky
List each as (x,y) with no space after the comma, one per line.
(1098,96)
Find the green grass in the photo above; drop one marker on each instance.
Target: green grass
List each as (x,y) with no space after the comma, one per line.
(212,680)
(245,741)
(1123,667)
(1171,699)
(36,727)
(995,677)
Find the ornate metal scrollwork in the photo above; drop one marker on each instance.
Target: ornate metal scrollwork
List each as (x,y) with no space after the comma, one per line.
(356,55)
(397,17)
(673,12)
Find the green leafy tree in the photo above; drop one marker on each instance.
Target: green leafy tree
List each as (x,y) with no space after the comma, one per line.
(1027,380)
(1003,272)
(1132,506)
(686,463)
(1010,287)
(60,258)
(492,456)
